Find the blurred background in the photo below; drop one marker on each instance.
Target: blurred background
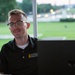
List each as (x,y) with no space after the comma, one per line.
(55,18)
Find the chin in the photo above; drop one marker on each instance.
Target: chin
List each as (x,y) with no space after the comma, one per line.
(17,36)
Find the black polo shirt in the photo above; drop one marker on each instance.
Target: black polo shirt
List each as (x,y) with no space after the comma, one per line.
(17,61)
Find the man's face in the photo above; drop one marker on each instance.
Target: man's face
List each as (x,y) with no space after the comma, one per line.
(17,26)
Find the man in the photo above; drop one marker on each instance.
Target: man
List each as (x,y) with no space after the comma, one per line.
(19,56)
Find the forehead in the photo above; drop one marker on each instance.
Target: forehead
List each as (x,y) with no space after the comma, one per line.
(15,17)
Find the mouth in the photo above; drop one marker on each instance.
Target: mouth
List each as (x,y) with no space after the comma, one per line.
(17,31)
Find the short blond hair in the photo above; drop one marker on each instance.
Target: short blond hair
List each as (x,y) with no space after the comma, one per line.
(16,12)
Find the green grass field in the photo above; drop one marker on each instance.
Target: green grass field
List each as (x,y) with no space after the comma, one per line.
(46,29)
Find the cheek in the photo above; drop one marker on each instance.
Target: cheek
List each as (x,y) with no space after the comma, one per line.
(25,27)
(11,29)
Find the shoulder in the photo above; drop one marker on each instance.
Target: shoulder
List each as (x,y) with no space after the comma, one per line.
(7,45)
(34,39)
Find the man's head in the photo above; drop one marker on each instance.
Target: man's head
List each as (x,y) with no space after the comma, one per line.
(17,21)
(17,12)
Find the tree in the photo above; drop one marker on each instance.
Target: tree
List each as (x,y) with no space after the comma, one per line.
(26,6)
(44,8)
(5,6)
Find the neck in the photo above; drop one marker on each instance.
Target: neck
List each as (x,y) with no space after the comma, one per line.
(22,40)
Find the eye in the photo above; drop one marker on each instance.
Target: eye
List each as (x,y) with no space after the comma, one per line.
(19,22)
(11,24)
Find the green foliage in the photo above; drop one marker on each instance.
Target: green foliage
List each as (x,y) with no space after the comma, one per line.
(5,6)
(67,20)
(55,7)
(26,6)
(44,8)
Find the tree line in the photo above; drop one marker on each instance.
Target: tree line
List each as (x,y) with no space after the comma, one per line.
(26,6)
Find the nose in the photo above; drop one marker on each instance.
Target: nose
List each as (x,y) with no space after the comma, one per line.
(15,26)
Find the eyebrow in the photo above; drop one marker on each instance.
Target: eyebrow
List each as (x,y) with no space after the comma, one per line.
(16,21)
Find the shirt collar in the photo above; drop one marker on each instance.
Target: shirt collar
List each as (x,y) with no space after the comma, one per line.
(31,44)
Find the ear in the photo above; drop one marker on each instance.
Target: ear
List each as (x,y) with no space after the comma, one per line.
(28,25)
